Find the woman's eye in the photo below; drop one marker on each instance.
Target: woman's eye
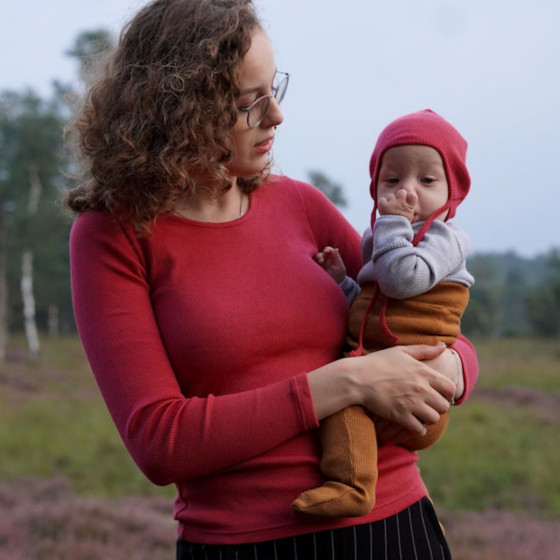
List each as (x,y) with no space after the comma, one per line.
(246,102)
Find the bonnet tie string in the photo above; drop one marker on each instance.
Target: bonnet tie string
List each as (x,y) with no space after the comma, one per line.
(382,319)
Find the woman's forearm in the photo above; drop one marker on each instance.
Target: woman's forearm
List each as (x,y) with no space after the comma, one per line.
(394,384)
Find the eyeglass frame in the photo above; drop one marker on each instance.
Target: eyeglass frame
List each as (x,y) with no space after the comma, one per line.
(285,79)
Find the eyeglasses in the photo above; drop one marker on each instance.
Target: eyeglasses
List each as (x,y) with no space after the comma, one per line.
(257,110)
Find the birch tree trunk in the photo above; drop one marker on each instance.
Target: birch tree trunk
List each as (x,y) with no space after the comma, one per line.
(54,321)
(29,319)
(30,323)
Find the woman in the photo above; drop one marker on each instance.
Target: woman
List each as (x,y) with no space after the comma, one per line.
(212,333)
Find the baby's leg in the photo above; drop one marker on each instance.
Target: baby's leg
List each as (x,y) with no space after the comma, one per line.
(349,461)
(432,435)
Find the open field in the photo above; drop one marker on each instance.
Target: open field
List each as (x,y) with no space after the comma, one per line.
(69,490)
(501,448)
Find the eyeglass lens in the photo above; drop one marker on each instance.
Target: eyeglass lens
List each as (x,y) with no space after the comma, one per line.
(258,111)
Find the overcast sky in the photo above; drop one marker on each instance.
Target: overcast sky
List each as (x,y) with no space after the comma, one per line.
(491,67)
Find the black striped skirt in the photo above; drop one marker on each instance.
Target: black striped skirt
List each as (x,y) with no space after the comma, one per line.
(412,534)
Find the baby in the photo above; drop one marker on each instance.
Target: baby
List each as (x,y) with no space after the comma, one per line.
(412,289)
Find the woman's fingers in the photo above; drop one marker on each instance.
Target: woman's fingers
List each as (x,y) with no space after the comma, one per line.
(417,417)
(449,364)
(406,391)
(390,433)
(435,355)
(423,352)
(444,387)
(412,424)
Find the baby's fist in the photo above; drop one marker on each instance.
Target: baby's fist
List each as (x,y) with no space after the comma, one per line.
(400,204)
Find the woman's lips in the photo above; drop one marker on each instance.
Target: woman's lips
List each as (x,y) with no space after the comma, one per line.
(265,146)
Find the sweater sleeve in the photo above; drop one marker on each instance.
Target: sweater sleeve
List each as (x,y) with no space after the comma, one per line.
(467,353)
(351,289)
(170,437)
(403,270)
(331,228)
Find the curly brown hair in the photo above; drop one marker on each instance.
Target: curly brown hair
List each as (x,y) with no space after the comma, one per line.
(161,112)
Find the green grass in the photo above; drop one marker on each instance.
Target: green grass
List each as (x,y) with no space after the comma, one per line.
(527,362)
(496,453)
(495,456)
(69,438)
(56,424)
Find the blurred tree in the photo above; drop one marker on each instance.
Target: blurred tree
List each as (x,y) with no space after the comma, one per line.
(89,49)
(543,304)
(31,178)
(483,314)
(331,189)
(4,213)
(514,320)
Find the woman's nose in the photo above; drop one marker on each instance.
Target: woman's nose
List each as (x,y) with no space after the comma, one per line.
(274,116)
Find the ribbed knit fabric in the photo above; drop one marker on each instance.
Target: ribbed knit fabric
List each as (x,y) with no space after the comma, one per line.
(348,438)
(428,318)
(199,337)
(349,461)
(411,534)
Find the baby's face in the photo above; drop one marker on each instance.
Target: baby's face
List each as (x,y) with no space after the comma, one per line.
(417,169)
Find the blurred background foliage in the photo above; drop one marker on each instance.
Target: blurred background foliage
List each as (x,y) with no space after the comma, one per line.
(513,295)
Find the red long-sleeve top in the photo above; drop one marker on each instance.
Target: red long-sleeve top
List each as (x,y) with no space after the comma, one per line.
(199,337)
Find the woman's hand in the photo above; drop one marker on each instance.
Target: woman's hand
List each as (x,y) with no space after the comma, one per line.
(394,384)
(388,432)
(408,392)
(449,364)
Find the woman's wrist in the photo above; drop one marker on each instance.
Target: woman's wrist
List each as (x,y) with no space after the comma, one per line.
(333,387)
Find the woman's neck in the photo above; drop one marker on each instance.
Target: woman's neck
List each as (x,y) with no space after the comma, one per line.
(227,207)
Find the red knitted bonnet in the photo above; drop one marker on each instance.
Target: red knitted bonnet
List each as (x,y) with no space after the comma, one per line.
(426,128)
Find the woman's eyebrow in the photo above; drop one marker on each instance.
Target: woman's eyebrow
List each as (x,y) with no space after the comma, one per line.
(255,88)
(249,90)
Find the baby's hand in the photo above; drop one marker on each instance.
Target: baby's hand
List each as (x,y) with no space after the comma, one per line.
(331,261)
(401,204)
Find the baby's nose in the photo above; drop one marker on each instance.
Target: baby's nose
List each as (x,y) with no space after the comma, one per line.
(407,185)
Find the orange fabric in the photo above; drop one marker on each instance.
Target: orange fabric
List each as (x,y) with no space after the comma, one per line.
(349,450)
(425,319)
(429,318)
(349,443)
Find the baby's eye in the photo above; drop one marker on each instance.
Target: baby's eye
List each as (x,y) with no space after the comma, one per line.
(427,180)
(392,180)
